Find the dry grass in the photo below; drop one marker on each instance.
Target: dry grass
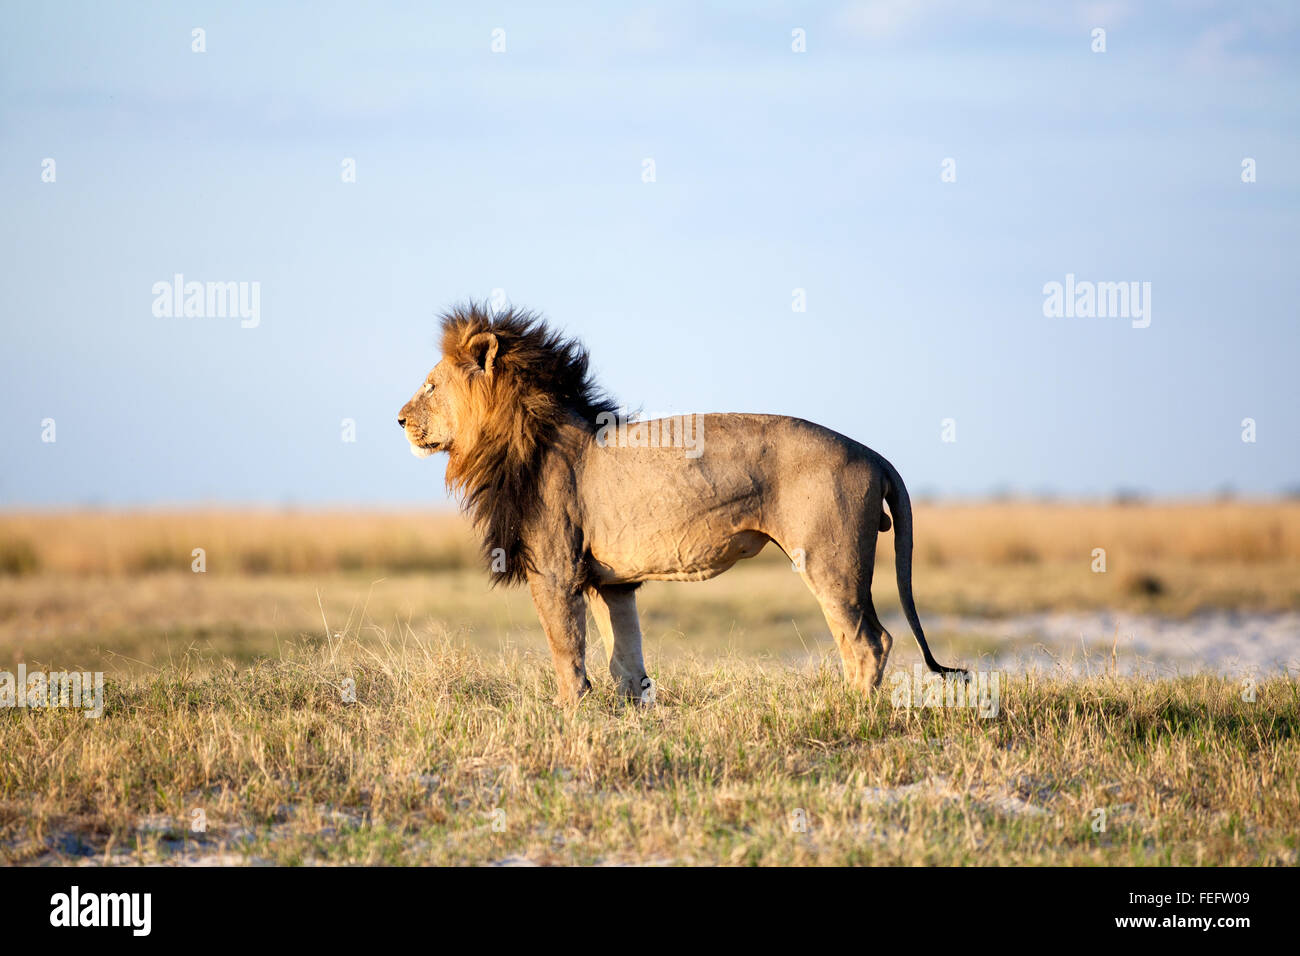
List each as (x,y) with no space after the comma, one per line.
(224,696)
(279,542)
(1231,532)
(72,578)
(235,542)
(441,744)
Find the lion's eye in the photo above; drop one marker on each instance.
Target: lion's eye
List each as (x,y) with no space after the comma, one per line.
(428,388)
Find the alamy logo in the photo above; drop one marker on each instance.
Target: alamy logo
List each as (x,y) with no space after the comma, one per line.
(980,690)
(1098,300)
(56,689)
(208,300)
(671,431)
(75,908)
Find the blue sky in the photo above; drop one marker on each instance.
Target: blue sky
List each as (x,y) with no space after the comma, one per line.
(774,171)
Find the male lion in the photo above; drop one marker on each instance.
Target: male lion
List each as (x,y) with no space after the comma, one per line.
(576,514)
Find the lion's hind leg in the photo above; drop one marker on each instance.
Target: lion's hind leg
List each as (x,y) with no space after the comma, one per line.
(863,642)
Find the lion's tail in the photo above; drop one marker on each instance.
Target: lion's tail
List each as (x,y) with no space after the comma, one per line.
(900,506)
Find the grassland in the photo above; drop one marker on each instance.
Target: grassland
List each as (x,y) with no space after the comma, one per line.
(95,587)
(448,756)
(225,694)
(1135,536)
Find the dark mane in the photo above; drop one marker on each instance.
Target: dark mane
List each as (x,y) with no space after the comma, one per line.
(512,419)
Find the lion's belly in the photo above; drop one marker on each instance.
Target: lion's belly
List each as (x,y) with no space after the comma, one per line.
(672,558)
(657,515)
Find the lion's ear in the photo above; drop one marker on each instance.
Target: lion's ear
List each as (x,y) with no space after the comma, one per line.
(483,350)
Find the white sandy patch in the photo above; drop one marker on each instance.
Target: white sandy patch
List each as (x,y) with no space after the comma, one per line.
(1227,643)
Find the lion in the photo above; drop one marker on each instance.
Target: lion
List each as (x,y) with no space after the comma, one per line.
(585,510)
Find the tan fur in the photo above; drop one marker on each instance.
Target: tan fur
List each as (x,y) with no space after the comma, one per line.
(583,511)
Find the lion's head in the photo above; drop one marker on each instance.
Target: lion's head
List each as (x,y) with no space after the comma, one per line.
(496,403)
(428,418)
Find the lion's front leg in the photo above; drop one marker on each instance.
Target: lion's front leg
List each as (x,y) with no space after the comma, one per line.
(564,620)
(614,609)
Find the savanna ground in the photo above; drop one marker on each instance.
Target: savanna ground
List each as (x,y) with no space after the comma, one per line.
(347,689)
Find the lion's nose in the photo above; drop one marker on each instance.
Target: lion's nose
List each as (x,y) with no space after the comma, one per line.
(401,423)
